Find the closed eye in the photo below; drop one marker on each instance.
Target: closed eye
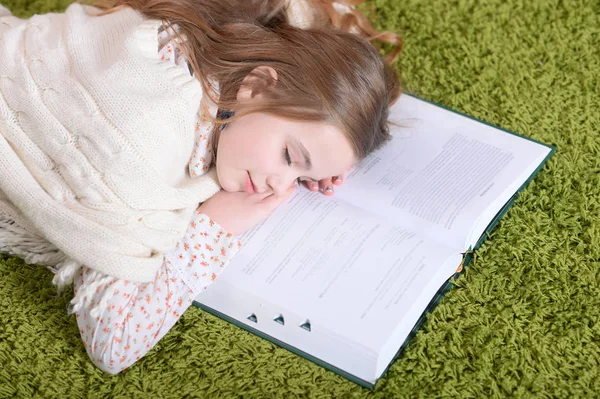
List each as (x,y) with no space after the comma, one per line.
(288,159)
(301,179)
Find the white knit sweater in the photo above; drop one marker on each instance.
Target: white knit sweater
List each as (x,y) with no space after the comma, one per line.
(95,137)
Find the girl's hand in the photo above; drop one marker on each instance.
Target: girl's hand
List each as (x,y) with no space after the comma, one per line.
(324,184)
(238,212)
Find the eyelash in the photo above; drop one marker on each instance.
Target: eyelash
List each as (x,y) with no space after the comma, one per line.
(286,155)
(288,159)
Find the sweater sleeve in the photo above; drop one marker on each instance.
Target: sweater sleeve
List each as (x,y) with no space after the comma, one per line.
(4,11)
(136,316)
(7,20)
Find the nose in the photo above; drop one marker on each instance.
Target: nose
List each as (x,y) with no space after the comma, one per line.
(279,185)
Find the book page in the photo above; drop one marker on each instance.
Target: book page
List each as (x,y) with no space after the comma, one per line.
(441,172)
(343,269)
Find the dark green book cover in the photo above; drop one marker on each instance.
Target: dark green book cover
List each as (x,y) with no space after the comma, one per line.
(467,257)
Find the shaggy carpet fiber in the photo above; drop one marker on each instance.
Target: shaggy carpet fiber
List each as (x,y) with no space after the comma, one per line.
(522,321)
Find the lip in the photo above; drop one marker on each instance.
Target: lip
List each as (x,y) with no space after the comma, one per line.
(250,188)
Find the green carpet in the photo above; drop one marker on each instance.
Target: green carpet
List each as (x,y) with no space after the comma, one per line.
(521,322)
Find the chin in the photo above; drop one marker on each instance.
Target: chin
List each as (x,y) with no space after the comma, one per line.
(235,190)
(228,185)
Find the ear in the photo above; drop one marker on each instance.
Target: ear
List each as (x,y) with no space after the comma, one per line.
(245,91)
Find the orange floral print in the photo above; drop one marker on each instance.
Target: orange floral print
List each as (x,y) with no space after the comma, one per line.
(152,308)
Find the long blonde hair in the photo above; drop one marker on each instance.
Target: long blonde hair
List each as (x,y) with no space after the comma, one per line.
(324,73)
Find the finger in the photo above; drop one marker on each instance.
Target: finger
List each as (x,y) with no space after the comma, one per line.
(326,186)
(262,196)
(272,201)
(266,194)
(311,185)
(338,180)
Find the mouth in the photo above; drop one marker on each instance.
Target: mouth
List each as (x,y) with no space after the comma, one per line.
(250,188)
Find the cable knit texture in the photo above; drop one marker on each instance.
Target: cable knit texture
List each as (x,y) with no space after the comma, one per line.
(96,133)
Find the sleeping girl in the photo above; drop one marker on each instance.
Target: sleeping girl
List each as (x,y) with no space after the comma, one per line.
(138,140)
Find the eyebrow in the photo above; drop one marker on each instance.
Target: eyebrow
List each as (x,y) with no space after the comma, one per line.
(305,153)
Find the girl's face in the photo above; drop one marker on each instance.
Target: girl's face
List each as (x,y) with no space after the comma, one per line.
(265,153)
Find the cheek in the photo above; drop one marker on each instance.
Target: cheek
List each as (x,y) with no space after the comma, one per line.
(244,149)
(232,147)
(258,152)
(262,158)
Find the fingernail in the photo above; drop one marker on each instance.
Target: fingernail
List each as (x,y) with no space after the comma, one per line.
(328,188)
(314,186)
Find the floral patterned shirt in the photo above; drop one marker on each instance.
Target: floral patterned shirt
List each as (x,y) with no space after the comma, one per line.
(136,316)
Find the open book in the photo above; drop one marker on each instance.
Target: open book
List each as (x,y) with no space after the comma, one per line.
(344,280)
